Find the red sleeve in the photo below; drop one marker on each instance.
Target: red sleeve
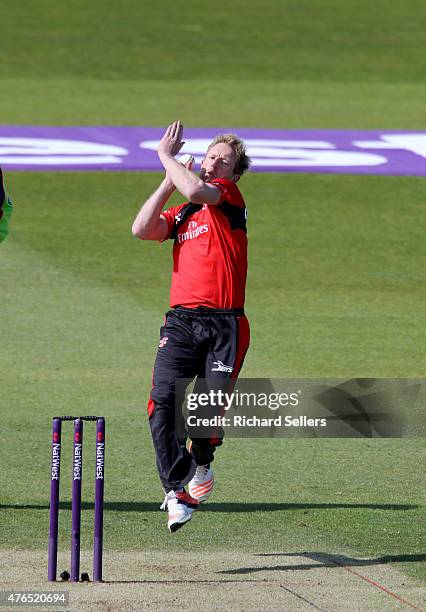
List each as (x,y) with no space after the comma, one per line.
(229,192)
(170,216)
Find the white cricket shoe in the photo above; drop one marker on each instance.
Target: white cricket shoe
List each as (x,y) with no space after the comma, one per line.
(202,483)
(180,506)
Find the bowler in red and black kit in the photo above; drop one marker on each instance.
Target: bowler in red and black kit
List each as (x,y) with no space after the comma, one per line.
(205,333)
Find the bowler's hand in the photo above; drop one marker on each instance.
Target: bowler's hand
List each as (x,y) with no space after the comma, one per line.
(171,143)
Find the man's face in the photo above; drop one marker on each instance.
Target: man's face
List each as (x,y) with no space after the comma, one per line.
(219,162)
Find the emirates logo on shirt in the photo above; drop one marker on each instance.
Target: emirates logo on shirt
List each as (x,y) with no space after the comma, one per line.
(194,230)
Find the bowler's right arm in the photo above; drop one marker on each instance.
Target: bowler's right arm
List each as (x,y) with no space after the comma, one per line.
(150,224)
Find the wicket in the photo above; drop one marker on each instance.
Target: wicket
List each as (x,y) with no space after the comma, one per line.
(77,473)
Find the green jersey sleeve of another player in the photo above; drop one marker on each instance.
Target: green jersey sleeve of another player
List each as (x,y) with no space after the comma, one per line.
(6,207)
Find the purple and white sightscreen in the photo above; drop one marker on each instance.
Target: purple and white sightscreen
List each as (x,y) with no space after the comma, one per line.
(398,153)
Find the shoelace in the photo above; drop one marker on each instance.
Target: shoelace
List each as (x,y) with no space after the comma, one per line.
(165,502)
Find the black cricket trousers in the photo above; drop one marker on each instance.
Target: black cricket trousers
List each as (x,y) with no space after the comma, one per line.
(201,342)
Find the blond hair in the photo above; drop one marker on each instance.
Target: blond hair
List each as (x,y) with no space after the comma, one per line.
(243,160)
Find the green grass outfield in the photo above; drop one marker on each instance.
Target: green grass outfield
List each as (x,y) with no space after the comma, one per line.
(336,284)
(284,63)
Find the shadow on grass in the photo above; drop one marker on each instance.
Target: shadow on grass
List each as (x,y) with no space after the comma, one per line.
(322,559)
(216,507)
